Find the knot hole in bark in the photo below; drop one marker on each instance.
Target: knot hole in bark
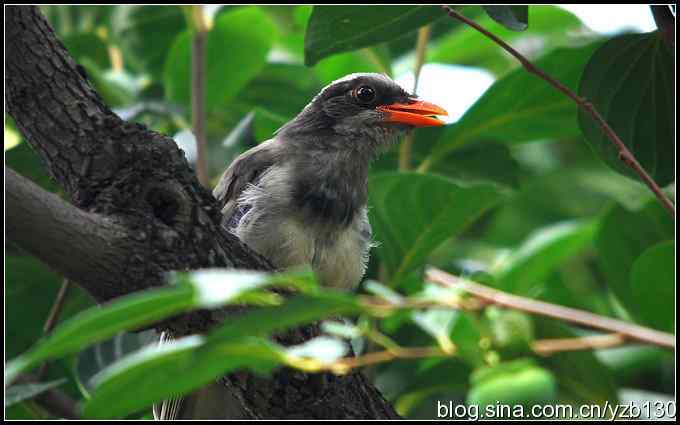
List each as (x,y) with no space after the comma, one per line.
(169,204)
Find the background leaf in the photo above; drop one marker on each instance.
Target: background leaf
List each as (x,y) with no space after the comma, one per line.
(653,285)
(230,65)
(413,213)
(623,236)
(515,18)
(551,27)
(335,29)
(520,107)
(630,82)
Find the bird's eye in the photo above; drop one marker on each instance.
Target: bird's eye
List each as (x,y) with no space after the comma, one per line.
(365,94)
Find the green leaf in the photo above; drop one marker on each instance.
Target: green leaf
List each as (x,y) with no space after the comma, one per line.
(20,392)
(146,33)
(483,162)
(88,45)
(550,25)
(230,65)
(515,18)
(335,29)
(581,377)
(545,249)
(298,82)
(200,289)
(193,363)
(413,213)
(298,310)
(653,285)
(623,236)
(521,107)
(99,356)
(339,65)
(630,82)
(97,324)
(520,382)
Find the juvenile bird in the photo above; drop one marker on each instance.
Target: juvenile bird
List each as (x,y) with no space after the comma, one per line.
(300,197)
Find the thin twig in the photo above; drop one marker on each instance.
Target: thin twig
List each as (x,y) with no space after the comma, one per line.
(198,93)
(406,147)
(628,330)
(52,319)
(625,155)
(346,364)
(546,347)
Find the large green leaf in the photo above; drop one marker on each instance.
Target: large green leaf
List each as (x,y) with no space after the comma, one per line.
(335,29)
(199,289)
(145,34)
(193,363)
(551,26)
(623,236)
(630,82)
(653,285)
(195,360)
(236,51)
(413,213)
(515,18)
(524,270)
(522,107)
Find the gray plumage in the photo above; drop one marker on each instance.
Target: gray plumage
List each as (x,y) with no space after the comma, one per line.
(301,197)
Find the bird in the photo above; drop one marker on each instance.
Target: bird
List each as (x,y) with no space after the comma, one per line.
(300,198)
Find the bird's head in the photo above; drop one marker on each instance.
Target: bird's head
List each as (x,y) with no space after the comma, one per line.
(365,106)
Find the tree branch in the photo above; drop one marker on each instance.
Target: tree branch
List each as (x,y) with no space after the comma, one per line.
(629,331)
(75,243)
(624,153)
(141,212)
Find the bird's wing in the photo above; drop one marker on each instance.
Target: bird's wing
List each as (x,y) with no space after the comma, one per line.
(244,170)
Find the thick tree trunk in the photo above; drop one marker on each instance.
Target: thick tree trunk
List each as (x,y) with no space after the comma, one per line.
(140,212)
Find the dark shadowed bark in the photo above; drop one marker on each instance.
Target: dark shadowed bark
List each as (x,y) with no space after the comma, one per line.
(137,212)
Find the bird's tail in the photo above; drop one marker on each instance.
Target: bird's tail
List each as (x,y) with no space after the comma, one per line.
(167,409)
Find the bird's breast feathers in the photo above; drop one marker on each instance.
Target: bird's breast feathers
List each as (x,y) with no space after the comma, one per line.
(276,225)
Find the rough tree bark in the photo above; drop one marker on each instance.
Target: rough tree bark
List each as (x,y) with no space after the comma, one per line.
(137,211)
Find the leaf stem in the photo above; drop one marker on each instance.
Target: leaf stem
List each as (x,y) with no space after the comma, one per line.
(625,155)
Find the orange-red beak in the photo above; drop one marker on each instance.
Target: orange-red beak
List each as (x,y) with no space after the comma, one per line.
(418,113)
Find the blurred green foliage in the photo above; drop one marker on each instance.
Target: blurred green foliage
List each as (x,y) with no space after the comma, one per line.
(522,193)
